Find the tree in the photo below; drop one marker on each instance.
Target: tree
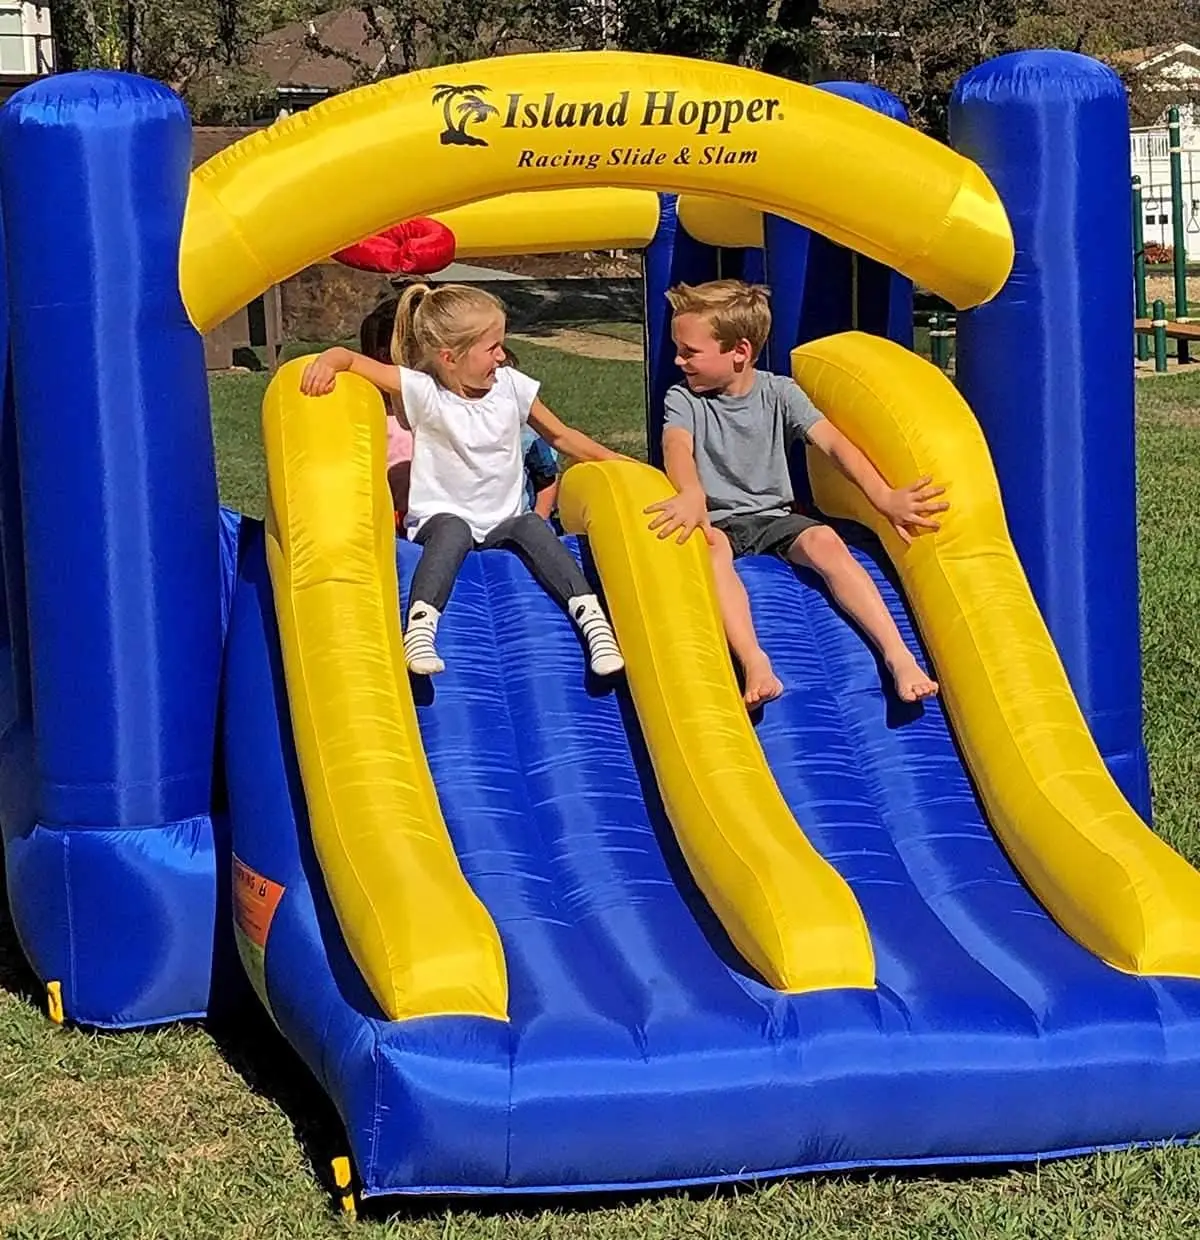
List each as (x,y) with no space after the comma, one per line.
(775,35)
(411,34)
(1110,30)
(915,48)
(1104,28)
(403,35)
(172,40)
(919,48)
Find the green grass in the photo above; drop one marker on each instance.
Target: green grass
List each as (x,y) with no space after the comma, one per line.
(633,332)
(196,1133)
(605,399)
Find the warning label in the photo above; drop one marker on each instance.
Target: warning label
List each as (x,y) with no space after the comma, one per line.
(255,899)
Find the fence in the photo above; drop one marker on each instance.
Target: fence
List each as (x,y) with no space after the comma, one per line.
(1144,206)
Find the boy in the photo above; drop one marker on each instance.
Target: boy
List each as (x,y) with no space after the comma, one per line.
(726,436)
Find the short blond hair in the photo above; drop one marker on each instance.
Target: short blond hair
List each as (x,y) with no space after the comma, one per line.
(450,316)
(733,309)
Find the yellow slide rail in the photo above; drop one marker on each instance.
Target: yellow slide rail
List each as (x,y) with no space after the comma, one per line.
(554,221)
(421,938)
(435,140)
(789,912)
(1099,871)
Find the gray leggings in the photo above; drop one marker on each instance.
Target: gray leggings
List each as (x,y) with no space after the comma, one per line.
(446,539)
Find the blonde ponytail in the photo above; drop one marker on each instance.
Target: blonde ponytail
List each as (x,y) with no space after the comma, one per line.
(450,316)
(405,350)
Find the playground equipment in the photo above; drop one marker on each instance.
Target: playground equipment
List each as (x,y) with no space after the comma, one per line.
(528,935)
(1181,330)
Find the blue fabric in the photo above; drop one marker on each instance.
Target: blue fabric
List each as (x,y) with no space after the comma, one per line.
(641,1051)
(234,531)
(673,257)
(812,278)
(1046,368)
(116,451)
(114,888)
(814,283)
(124,919)
(541,465)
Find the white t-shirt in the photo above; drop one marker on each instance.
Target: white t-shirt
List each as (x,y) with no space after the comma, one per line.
(466,451)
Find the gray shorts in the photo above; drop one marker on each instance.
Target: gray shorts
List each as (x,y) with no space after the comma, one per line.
(757,533)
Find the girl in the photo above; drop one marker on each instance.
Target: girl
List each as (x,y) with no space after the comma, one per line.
(466,410)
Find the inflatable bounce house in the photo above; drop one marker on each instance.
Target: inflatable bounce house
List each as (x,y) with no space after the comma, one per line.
(528,932)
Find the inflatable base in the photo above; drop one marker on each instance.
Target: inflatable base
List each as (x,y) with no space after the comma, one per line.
(641,1051)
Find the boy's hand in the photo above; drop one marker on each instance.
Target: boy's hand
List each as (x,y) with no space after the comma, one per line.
(911,509)
(684,512)
(318,378)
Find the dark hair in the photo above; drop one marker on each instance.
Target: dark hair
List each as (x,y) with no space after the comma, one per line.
(375,331)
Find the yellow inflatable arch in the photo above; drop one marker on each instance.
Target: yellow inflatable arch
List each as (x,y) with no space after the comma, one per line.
(439,139)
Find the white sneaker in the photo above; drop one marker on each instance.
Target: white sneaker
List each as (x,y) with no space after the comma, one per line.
(604,654)
(420,650)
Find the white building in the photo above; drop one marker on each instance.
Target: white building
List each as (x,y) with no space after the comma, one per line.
(1173,70)
(26,46)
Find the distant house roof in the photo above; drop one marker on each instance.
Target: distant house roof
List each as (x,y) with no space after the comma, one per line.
(1140,57)
(289,61)
(207,140)
(1166,60)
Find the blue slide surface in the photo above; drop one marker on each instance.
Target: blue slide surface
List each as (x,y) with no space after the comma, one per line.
(640,1050)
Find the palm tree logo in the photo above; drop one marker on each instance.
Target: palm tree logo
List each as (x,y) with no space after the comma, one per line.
(472,109)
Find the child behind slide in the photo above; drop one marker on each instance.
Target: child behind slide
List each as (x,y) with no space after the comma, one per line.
(727,431)
(465,409)
(375,341)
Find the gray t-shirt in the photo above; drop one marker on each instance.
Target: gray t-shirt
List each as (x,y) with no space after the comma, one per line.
(742,442)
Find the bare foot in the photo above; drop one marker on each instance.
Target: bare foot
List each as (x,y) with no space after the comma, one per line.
(912,684)
(762,685)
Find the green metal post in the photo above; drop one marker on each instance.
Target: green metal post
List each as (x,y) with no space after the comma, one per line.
(1177,221)
(1160,337)
(937,341)
(1139,267)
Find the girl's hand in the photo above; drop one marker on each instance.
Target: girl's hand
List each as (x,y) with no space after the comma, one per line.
(319,377)
(911,509)
(684,512)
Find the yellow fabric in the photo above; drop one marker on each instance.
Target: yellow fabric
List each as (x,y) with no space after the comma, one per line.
(788,912)
(405,147)
(720,221)
(554,221)
(1099,871)
(420,937)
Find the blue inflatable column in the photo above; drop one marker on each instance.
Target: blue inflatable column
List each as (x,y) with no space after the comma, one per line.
(113,887)
(1047,368)
(672,257)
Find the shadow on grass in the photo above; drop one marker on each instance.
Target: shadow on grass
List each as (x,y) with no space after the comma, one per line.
(530,1206)
(15,974)
(251,1045)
